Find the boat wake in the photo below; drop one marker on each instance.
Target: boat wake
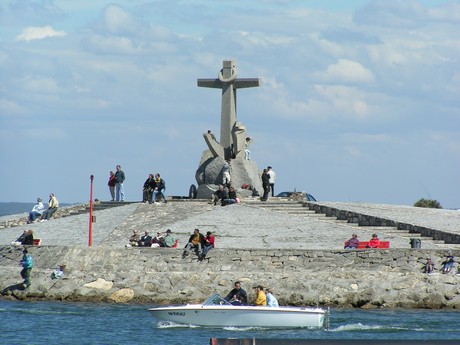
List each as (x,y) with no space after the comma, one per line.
(360,327)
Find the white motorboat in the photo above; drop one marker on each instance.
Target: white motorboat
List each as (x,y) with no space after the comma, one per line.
(217,312)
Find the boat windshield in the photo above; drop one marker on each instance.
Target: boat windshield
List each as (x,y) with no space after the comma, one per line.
(216,299)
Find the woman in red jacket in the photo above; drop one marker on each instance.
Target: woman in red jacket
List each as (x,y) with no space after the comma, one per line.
(208,243)
(374,242)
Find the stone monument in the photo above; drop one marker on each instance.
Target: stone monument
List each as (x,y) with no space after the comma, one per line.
(231,147)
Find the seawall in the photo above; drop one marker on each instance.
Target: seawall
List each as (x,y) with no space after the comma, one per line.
(362,278)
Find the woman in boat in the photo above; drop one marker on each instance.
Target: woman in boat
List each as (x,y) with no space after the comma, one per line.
(271,300)
(261,299)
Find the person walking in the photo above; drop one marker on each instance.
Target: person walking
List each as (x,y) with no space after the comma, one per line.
(272,178)
(112,182)
(27,264)
(119,190)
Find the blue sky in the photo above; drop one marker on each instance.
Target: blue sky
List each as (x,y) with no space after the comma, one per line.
(360,100)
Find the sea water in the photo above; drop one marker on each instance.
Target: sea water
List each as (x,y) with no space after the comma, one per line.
(92,323)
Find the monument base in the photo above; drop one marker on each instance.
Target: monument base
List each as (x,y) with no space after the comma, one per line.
(243,173)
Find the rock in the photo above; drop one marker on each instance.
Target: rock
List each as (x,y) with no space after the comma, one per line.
(100,284)
(122,295)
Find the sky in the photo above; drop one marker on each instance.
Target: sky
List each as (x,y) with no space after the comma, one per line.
(359,100)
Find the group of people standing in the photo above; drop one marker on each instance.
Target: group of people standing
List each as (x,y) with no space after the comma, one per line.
(115,184)
(268,182)
(153,187)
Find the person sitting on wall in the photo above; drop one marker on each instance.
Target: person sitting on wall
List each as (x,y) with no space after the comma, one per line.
(160,187)
(169,240)
(36,212)
(20,239)
(219,194)
(231,198)
(157,241)
(208,243)
(429,266)
(146,240)
(448,264)
(353,242)
(53,205)
(134,239)
(374,242)
(147,189)
(28,239)
(194,242)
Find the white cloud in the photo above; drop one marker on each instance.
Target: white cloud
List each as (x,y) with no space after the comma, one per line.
(39,33)
(348,71)
(347,101)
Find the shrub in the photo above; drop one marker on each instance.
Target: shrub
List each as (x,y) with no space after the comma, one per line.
(428,203)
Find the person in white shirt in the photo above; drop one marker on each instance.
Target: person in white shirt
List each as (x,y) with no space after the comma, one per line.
(271,300)
(37,211)
(271,180)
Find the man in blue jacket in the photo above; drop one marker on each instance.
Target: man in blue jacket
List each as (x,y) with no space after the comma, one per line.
(27,264)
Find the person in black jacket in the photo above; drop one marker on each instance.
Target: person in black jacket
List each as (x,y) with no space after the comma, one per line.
(29,238)
(238,295)
(160,187)
(265,184)
(195,241)
(148,188)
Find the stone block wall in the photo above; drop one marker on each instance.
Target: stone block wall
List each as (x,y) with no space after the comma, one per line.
(366,220)
(361,278)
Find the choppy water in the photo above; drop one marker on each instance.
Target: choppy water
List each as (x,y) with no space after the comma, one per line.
(83,323)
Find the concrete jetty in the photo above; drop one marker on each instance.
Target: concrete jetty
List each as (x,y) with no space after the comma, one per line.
(285,244)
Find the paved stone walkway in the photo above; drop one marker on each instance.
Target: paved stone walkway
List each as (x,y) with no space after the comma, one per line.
(236,226)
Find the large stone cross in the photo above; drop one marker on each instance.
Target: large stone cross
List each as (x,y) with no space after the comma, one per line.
(228,82)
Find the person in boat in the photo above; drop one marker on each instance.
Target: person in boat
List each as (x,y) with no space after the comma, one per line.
(271,300)
(353,242)
(374,242)
(448,264)
(238,295)
(194,242)
(261,299)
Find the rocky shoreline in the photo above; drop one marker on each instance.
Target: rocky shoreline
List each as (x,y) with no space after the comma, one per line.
(356,279)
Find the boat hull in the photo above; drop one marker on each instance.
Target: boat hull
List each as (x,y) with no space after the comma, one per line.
(242,316)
